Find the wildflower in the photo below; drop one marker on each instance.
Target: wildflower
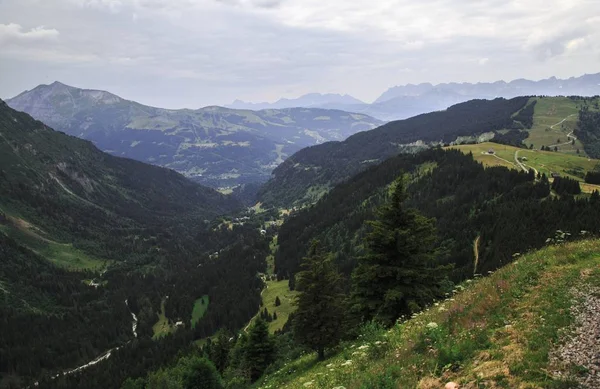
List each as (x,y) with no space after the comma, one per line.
(347,363)
(364,347)
(308,384)
(329,365)
(432,325)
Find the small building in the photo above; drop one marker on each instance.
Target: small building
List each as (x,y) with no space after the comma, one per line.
(554,175)
(491,151)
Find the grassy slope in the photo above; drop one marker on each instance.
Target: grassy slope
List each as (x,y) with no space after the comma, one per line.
(495,332)
(61,254)
(278,289)
(546,130)
(543,161)
(163,326)
(200,307)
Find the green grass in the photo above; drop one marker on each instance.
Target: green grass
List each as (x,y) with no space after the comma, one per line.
(548,112)
(163,326)
(494,332)
(200,307)
(271,257)
(277,289)
(61,254)
(573,166)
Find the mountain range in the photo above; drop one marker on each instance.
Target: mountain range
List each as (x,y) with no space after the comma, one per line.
(213,145)
(310,100)
(404,101)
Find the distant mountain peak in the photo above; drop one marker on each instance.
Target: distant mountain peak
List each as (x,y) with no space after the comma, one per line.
(308,100)
(550,86)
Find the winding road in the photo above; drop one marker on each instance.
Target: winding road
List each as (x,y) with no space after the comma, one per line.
(570,135)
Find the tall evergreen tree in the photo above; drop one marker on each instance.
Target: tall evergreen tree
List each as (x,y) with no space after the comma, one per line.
(219,351)
(320,302)
(397,274)
(260,349)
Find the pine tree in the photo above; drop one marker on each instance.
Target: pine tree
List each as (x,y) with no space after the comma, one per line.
(219,351)
(397,275)
(260,349)
(277,301)
(320,302)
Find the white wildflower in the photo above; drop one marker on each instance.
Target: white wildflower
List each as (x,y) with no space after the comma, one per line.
(432,325)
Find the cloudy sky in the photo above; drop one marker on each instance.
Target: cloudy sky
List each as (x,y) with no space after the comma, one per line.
(192,53)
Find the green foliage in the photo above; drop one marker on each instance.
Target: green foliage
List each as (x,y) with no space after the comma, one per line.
(259,350)
(566,185)
(320,315)
(397,275)
(200,373)
(220,349)
(192,372)
(588,131)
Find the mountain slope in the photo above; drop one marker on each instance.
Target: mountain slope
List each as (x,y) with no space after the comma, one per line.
(307,173)
(466,200)
(73,191)
(213,145)
(527,325)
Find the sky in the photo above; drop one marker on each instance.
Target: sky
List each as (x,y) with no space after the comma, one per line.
(193,53)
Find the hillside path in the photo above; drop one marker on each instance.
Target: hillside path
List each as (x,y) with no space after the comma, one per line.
(476,253)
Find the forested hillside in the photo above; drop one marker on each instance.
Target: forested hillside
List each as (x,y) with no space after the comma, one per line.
(311,171)
(71,190)
(588,130)
(507,211)
(93,246)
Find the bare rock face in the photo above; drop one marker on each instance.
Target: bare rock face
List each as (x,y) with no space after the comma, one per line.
(578,357)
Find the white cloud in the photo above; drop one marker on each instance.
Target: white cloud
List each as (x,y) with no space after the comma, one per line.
(213,51)
(13,33)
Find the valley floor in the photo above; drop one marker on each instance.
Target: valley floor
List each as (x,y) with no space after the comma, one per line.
(528,325)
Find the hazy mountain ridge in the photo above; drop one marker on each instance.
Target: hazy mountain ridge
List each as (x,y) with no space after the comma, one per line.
(586,85)
(213,145)
(317,100)
(404,101)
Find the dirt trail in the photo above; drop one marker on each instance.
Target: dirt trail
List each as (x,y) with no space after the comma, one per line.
(476,254)
(581,347)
